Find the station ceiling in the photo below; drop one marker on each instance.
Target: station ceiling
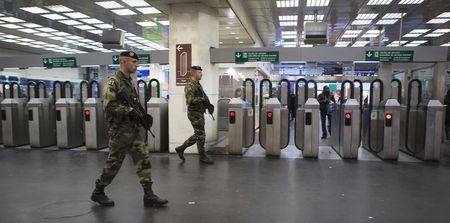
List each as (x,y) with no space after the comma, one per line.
(61,26)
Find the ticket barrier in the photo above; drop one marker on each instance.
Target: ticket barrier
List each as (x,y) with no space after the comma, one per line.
(421,125)
(240,128)
(14,117)
(158,108)
(95,133)
(69,121)
(346,125)
(41,117)
(307,128)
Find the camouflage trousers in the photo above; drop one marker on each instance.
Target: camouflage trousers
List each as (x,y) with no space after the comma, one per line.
(123,139)
(198,123)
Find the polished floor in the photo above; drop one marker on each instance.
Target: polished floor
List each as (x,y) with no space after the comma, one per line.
(50,185)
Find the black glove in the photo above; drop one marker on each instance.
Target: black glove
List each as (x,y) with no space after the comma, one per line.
(211,109)
(149,119)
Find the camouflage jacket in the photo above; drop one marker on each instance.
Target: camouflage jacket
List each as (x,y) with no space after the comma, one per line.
(194,96)
(116,110)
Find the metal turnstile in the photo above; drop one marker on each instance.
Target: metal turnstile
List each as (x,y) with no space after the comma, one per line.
(346,123)
(41,117)
(158,108)
(69,123)
(95,133)
(421,125)
(14,117)
(240,129)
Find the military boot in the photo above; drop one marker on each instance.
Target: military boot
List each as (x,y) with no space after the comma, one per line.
(100,197)
(203,157)
(150,199)
(180,151)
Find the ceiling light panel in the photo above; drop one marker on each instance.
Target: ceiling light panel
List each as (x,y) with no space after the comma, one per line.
(76,15)
(362,22)
(54,16)
(444,15)
(379,2)
(11,36)
(289,23)
(412,35)
(35,10)
(387,21)
(342,44)
(109,5)
(434,21)
(446,44)
(393,15)
(70,22)
(441,31)
(360,43)
(61,34)
(124,12)
(47,30)
(146,24)
(43,34)
(148,10)
(28,30)
(421,31)
(11,26)
(59,8)
(288,17)
(410,2)
(103,26)
(317,3)
(164,23)
(11,19)
(287,3)
(395,43)
(30,25)
(367,16)
(91,21)
(433,35)
(311,17)
(84,27)
(135,3)
(96,31)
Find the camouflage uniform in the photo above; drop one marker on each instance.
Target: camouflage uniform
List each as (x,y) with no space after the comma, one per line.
(194,101)
(124,134)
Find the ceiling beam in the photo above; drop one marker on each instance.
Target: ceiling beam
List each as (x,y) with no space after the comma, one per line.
(241,13)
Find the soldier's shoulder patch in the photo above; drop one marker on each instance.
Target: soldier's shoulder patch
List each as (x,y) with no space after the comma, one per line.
(111,84)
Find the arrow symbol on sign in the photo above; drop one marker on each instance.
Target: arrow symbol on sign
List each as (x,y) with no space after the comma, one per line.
(238,55)
(179,48)
(45,61)
(369,54)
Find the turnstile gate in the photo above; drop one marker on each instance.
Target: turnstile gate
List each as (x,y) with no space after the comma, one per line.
(95,133)
(14,117)
(158,108)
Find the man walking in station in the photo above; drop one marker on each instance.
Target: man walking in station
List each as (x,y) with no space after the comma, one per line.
(325,98)
(124,134)
(197,102)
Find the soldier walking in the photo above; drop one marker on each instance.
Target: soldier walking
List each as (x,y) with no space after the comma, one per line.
(124,135)
(197,102)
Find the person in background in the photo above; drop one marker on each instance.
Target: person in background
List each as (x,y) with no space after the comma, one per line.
(325,98)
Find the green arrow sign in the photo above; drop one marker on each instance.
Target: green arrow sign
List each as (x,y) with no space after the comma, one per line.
(59,62)
(263,56)
(143,59)
(390,56)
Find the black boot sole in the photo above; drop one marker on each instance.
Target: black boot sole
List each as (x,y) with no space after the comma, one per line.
(155,204)
(180,155)
(103,204)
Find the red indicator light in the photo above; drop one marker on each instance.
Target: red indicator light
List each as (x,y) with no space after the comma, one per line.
(348,115)
(87,112)
(232,114)
(388,116)
(269,114)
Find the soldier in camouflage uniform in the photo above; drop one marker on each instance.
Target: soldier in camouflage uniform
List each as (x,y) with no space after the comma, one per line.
(196,104)
(124,133)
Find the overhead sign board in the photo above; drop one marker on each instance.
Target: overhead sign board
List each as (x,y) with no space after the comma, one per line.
(183,63)
(390,56)
(263,56)
(59,62)
(143,59)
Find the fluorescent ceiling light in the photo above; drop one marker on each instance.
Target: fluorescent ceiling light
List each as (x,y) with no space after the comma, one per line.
(342,44)
(11,36)
(446,44)
(372,33)
(135,3)
(70,22)
(393,15)
(59,8)
(75,37)
(434,21)
(421,31)
(28,30)
(136,38)
(356,32)
(26,40)
(410,2)
(288,17)
(84,27)
(86,41)
(43,34)
(11,19)
(30,25)
(148,10)
(289,37)
(367,16)
(104,26)
(164,23)
(434,35)
(287,3)
(10,40)
(54,16)
(36,46)
(362,22)
(317,3)
(311,17)
(96,31)
(123,12)
(360,43)
(395,43)
(129,34)
(39,43)
(24,43)
(441,31)
(76,15)
(69,41)
(387,21)
(11,26)
(416,43)
(62,34)
(47,30)
(109,5)
(57,37)
(412,35)
(305,45)
(289,23)
(288,32)
(379,2)
(91,21)
(35,10)
(444,15)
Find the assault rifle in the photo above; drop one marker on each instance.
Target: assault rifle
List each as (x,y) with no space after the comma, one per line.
(207,104)
(138,113)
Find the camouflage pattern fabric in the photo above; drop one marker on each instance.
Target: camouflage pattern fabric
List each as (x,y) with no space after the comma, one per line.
(194,101)
(194,96)
(124,134)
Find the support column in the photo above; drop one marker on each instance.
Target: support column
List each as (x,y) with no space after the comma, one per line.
(439,79)
(385,74)
(196,24)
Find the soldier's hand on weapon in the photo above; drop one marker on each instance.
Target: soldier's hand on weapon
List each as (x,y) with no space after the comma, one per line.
(130,109)
(211,109)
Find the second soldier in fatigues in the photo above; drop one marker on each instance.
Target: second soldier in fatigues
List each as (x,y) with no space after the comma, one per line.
(124,135)
(196,102)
